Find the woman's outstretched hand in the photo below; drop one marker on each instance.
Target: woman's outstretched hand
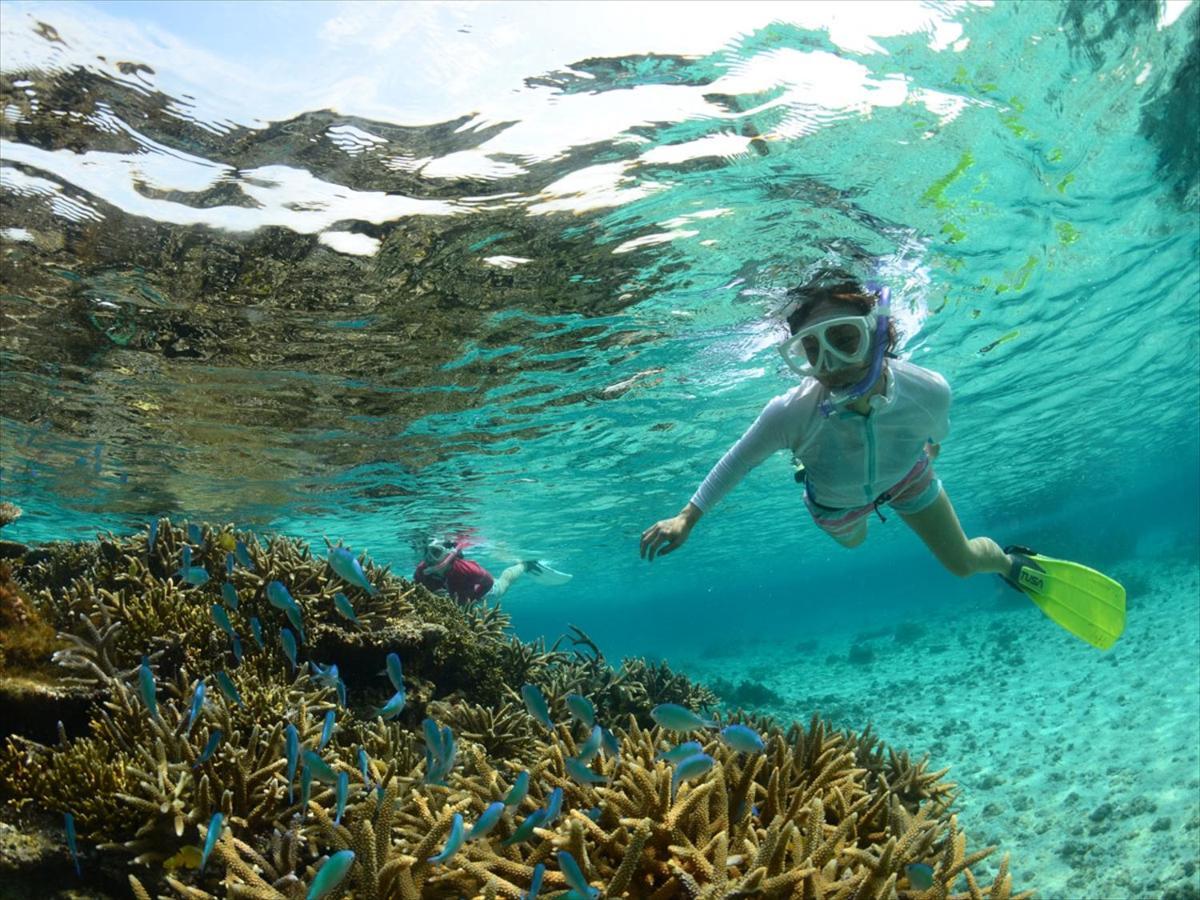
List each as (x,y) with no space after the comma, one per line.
(668,535)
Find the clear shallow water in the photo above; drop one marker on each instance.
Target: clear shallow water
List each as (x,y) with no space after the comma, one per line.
(508,270)
(375,272)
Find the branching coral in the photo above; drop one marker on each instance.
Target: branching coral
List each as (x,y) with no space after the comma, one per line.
(297,777)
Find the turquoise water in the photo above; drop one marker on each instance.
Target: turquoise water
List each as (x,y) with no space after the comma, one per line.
(379,272)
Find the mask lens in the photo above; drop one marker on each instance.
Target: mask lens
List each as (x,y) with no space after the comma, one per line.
(812,349)
(845,339)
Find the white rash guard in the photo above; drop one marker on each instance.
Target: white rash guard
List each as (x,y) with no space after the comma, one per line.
(850,458)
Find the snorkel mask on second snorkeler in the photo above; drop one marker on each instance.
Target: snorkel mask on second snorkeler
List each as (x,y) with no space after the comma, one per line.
(845,341)
(439,554)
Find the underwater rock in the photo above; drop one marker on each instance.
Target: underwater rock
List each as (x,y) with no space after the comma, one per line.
(12,550)
(746,694)
(36,709)
(9,513)
(861,655)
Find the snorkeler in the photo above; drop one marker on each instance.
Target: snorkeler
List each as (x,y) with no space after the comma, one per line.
(864,428)
(445,570)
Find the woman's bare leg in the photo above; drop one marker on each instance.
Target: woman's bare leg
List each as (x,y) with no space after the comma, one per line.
(937,525)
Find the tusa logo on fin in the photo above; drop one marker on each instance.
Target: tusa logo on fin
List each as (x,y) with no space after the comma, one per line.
(1032,579)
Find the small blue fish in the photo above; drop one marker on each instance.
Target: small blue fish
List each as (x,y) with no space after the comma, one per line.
(364,765)
(742,738)
(213,739)
(331,874)
(243,556)
(147,688)
(69,824)
(674,717)
(343,788)
(327,729)
(691,768)
(395,672)
(571,872)
(486,821)
(611,746)
(440,752)
(222,619)
(237,650)
(153,536)
(682,752)
(553,806)
(525,829)
(293,616)
(229,565)
(321,770)
(341,692)
(197,705)
(593,813)
(348,569)
(228,688)
(433,735)
(291,745)
(325,676)
(449,749)
(581,708)
(185,557)
(535,702)
(195,536)
(453,842)
(393,707)
(519,789)
(342,604)
(194,575)
(578,770)
(279,596)
(920,875)
(535,881)
(289,646)
(214,834)
(256,631)
(229,595)
(306,777)
(592,745)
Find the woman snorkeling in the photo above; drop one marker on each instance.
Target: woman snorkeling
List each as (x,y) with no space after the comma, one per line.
(863,427)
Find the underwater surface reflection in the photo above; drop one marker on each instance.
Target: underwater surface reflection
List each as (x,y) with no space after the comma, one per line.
(376,273)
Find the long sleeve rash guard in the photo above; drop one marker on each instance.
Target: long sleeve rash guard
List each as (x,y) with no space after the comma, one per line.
(850,459)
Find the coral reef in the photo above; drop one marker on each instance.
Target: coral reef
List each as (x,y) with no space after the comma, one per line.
(223,773)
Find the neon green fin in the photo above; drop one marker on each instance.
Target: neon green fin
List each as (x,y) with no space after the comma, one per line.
(1087,603)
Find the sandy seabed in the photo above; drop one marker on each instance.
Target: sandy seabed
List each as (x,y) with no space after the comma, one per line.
(1083,765)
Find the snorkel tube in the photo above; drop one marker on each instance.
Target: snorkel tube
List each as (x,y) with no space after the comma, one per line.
(840,398)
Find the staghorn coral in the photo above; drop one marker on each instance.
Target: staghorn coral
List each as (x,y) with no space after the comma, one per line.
(634,689)
(505,732)
(819,813)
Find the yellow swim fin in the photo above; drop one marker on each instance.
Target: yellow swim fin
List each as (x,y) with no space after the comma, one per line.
(1087,603)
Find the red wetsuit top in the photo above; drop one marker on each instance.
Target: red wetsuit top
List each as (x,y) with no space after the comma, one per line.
(464,580)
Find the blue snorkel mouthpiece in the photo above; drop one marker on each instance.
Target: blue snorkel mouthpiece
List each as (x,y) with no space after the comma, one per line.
(840,398)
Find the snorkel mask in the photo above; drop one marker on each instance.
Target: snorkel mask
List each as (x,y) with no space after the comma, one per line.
(839,343)
(439,554)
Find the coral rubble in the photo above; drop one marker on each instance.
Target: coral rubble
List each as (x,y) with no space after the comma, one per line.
(217,768)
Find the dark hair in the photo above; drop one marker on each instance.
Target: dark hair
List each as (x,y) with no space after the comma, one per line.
(833,285)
